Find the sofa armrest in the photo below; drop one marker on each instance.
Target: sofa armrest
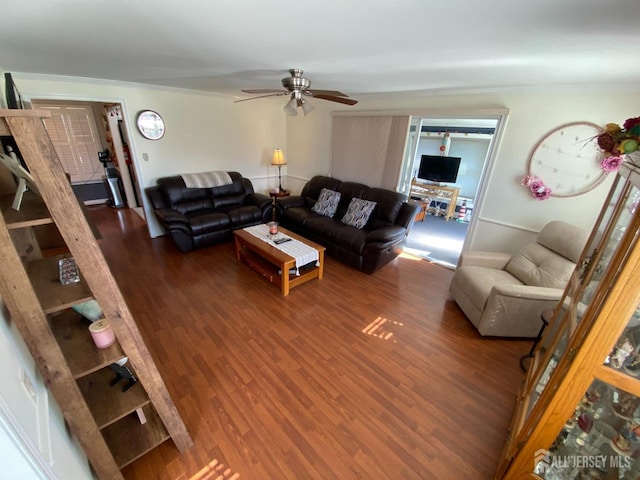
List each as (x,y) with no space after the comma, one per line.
(478,258)
(407,215)
(260,200)
(169,216)
(290,202)
(391,233)
(528,292)
(514,310)
(155,197)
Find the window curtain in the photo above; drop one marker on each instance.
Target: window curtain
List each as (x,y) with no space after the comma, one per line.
(369,149)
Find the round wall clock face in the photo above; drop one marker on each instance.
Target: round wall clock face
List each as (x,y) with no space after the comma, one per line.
(150,124)
(567,159)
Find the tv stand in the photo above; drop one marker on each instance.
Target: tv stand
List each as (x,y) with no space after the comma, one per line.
(425,193)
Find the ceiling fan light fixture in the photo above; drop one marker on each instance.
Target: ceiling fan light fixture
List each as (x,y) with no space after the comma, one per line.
(307,107)
(291,108)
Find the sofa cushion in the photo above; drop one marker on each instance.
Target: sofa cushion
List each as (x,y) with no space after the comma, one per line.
(389,203)
(554,236)
(348,190)
(242,215)
(538,266)
(325,228)
(351,239)
(312,188)
(327,203)
(208,221)
(358,213)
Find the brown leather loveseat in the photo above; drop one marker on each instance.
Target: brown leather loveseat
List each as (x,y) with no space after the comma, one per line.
(366,247)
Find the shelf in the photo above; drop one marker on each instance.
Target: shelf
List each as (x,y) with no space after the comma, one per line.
(260,265)
(128,439)
(271,272)
(109,404)
(71,331)
(33,211)
(104,419)
(54,296)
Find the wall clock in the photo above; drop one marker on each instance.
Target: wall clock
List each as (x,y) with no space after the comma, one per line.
(150,124)
(567,159)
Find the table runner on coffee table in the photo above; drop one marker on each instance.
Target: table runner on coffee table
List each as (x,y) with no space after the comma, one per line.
(303,254)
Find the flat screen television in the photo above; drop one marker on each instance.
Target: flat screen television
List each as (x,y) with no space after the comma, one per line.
(437,168)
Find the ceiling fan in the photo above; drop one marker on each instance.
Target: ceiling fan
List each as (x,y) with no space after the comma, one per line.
(298,87)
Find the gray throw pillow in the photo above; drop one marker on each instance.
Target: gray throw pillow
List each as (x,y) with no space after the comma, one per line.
(327,203)
(358,212)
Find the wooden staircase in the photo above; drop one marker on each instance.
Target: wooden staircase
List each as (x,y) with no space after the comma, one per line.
(113,427)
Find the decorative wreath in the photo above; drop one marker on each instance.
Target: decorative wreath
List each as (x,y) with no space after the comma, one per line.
(603,149)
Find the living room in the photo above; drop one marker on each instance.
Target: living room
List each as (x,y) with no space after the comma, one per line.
(207,131)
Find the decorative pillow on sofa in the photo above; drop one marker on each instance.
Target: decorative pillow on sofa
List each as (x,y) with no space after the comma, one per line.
(358,212)
(327,203)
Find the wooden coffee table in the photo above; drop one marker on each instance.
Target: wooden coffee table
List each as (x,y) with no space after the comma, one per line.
(274,264)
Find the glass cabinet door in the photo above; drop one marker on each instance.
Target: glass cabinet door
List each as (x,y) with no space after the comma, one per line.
(584,282)
(601,439)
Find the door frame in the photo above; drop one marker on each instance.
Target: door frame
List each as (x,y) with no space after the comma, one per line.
(500,116)
(129,133)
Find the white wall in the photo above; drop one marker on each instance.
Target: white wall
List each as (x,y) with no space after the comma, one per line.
(203,132)
(509,215)
(31,424)
(207,132)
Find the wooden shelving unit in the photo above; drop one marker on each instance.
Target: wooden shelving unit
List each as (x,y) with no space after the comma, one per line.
(113,427)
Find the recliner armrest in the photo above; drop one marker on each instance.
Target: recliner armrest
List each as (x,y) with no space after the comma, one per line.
(528,292)
(407,215)
(478,258)
(168,216)
(290,202)
(260,200)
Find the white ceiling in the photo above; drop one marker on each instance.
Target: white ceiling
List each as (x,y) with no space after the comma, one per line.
(355,46)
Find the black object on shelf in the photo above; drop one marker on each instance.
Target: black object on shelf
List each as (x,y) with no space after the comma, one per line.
(122,372)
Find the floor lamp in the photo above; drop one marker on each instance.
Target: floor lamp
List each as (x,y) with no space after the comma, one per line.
(279,161)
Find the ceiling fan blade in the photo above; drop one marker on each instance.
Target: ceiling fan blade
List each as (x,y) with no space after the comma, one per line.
(262,96)
(335,93)
(263,90)
(331,98)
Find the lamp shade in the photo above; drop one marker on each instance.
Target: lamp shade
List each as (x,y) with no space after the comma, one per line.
(278,158)
(307,107)
(291,108)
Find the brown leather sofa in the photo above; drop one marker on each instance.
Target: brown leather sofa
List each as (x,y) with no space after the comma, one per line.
(201,217)
(367,249)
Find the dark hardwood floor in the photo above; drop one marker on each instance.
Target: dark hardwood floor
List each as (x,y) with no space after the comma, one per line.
(350,377)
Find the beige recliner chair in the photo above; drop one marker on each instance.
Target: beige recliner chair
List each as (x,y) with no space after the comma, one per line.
(504,295)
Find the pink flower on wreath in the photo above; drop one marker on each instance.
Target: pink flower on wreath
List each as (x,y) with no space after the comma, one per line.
(539,190)
(611,163)
(526,180)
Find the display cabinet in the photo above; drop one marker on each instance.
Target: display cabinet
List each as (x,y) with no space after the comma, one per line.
(577,412)
(115,422)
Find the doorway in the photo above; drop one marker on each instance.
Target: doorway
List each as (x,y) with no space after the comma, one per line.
(82,132)
(449,208)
